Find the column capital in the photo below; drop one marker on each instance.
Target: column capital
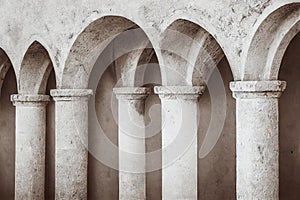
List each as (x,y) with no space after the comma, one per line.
(132,93)
(70,94)
(29,99)
(179,92)
(257,89)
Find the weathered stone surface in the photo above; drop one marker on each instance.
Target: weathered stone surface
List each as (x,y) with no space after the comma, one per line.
(179,92)
(71,143)
(257,142)
(188,39)
(257,89)
(30,145)
(179,141)
(132,147)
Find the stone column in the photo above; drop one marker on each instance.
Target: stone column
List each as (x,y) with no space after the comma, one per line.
(71,142)
(132,160)
(179,141)
(257,145)
(30,145)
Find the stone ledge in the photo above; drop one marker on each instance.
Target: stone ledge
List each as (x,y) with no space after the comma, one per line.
(179,92)
(132,93)
(257,89)
(69,94)
(28,99)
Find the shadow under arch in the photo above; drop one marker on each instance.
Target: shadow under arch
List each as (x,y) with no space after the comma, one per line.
(149,75)
(105,55)
(289,127)
(264,53)
(37,77)
(92,41)
(192,56)
(35,70)
(8,86)
(273,54)
(185,49)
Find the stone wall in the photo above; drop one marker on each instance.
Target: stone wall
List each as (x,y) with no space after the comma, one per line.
(67,45)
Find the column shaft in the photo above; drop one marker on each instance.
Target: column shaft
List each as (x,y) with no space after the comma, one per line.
(132,176)
(179,141)
(71,143)
(30,145)
(257,141)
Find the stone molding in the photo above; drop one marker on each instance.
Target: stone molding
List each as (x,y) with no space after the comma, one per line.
(257,89)
(29,99)
(132,93)
(179,92)
(70,94)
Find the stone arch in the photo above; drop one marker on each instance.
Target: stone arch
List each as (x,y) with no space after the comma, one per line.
(189,50)
(149,70)
(188,53)
(35,69)
(8,86)
(5,65)
(92,41)
(264,53)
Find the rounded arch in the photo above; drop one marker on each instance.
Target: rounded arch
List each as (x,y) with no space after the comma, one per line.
(92,41)
(7,130)
(34,70)
(269,41)
(5,65)
(189,53)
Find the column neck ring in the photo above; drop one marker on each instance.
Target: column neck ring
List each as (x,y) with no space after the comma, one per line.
(132,93)
(257,89)
(29,99)
(179,92)
(70,94)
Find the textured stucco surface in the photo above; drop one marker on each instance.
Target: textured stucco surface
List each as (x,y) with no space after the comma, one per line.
(57,24)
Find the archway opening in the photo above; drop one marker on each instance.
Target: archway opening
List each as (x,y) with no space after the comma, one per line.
(106,55)
(50,141)
(217,170)
(193,57)
(149,75)
(7,128)
(37,77)
(289,126)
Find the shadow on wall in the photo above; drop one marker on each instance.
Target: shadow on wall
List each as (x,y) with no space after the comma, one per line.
(7,137)
(216,171)
(50,141)
(289,126)
(103,181)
